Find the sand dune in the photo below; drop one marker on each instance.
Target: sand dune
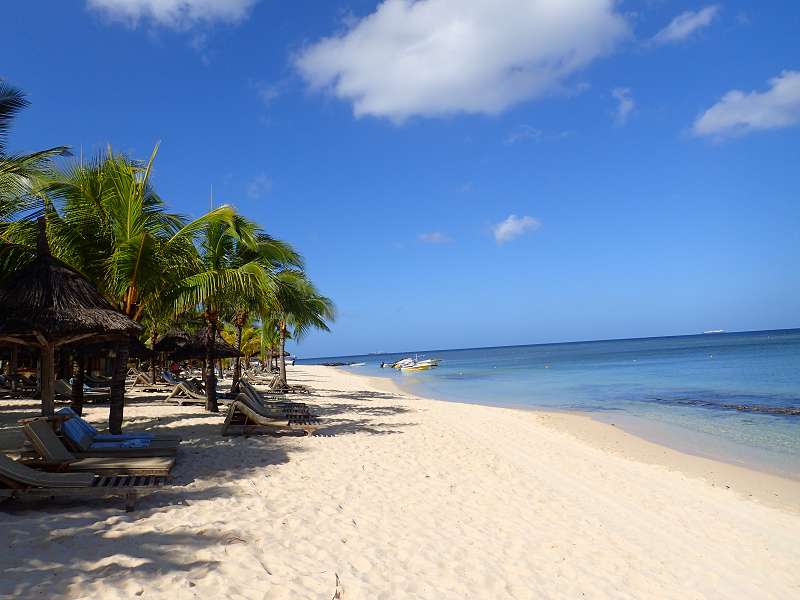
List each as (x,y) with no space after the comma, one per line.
(402,497)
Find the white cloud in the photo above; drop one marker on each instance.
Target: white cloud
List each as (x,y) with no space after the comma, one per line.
(738,113)
(685,24)
(524,132)
(625,104)
(434,237)
(177,14)
(259,186)
(439,57)
(513,227)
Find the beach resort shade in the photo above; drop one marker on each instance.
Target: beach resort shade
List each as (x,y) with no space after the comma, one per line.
(48,304)
(136,348)
(179,345)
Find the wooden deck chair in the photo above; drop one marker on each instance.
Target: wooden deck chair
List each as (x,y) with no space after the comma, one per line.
(53,455)
(245,387)
(96,436)
(247,417)
(19,481)
(187,393)
(64,389)
(82,444)
(141,379)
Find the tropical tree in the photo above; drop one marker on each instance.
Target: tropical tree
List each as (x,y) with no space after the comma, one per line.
(273,255)
(223,274)
(298,308)
(20,179)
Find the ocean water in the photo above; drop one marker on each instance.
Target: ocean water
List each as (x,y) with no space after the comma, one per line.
(729,396)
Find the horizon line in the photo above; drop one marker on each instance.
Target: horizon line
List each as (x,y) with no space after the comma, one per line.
(647,337)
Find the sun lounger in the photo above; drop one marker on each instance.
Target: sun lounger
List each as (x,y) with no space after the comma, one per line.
(246,416)
(187,393)
(53,455)
(110,437)
(140,379)
(82,443)
(170,378)
(19,481)
(96,382)
(245,387)
(64,389)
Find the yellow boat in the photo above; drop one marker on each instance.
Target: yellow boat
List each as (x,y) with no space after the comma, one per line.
(417,367)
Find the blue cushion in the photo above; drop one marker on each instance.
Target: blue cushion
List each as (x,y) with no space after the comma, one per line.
(135,443)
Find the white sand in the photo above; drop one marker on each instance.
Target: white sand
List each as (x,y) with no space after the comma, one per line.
(410,498)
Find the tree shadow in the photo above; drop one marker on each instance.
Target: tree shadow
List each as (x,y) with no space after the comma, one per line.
(57,551)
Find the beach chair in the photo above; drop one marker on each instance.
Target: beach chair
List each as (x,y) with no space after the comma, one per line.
(170,378)
(245,387)
(248,417)
(140,379)
(64,389)
(82,444)
(53,455)
(96,436)
(19,481)
(187,392)
(96,382)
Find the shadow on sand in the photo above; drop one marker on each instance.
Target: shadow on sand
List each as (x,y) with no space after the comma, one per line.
(55,543)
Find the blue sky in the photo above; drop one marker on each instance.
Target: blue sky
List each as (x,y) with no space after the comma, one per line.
(458,173)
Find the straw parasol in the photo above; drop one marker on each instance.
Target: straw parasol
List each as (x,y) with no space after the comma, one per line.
(48,304)
(179,345)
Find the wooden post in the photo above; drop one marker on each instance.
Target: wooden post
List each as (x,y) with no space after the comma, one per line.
(47,379)
(117,408)
(77,383)
(12,368)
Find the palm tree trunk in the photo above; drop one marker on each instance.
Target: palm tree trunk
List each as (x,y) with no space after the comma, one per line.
(237,362)
(77,384)
(117,408)
(154,359)
(47,379)
(12,368)
(211,378)
(283,353)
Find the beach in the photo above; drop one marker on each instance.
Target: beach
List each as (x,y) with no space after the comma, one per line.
(399,496)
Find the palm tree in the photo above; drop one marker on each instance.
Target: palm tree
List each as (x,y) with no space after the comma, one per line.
(273,255)
(299,308)
(20,177)
(223,274)
(108,222)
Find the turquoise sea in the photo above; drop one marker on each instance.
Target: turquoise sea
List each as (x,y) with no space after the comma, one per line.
(729,396)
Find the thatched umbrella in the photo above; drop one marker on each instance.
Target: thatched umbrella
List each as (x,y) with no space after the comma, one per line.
(183,346)
(48,304)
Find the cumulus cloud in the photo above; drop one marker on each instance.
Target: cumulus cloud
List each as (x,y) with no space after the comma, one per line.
(258,187)
(738,113)
(176,14)
(434,237)
(513,227)
(686,23)
(625,104)
(439,57)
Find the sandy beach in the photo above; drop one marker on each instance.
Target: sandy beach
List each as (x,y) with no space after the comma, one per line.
(404,497)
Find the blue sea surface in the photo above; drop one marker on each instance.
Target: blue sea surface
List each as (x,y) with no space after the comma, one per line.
(730,396)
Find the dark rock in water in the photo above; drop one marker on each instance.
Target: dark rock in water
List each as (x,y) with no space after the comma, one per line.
(335,364)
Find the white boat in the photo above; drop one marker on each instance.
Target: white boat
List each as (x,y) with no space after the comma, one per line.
(406,362)
(429,362)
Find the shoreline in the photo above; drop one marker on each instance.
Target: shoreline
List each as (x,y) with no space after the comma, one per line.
(398,496)
(774,489)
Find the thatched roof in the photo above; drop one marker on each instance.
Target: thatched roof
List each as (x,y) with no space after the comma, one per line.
(182,346)
(136,348)
(49,298)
